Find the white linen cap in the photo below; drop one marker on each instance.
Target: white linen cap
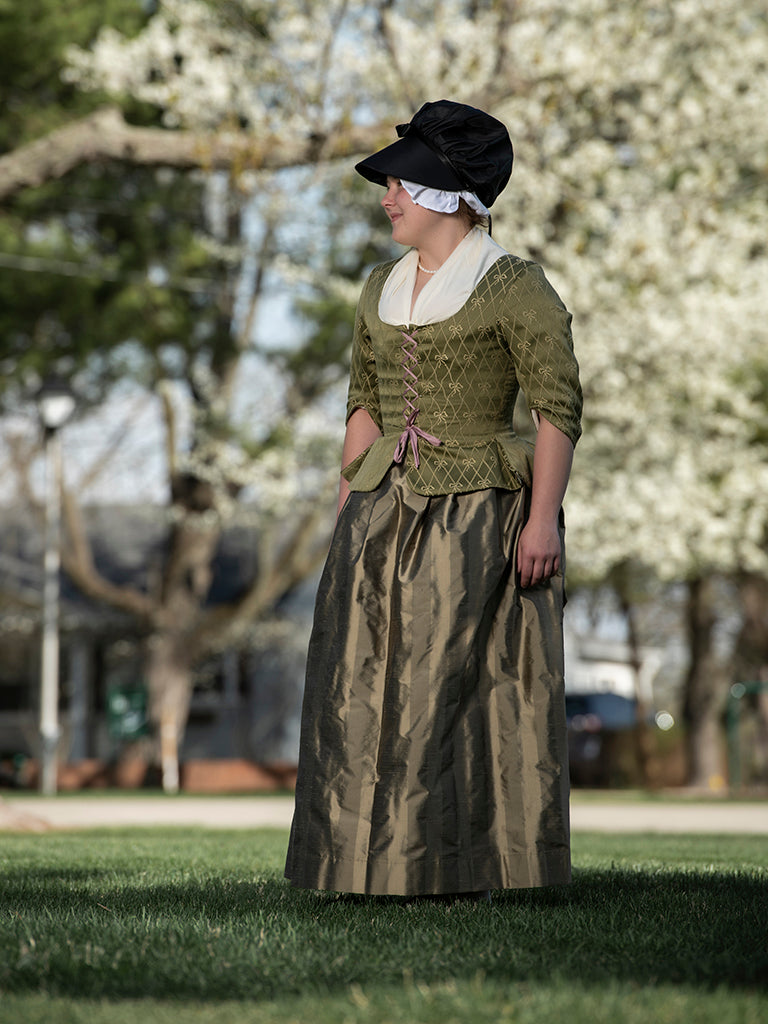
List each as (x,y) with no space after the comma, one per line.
(442,201)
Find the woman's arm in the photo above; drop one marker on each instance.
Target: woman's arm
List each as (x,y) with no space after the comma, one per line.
(361,432)
(539,552)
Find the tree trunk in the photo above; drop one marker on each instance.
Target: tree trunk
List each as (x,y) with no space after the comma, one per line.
(645,746)
(627,584)
(703,689)
(169,678)
(172,647)
(751,661)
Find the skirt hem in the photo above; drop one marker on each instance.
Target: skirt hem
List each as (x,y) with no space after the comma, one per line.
(551,869)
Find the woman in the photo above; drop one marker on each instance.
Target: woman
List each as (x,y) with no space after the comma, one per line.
(433,753)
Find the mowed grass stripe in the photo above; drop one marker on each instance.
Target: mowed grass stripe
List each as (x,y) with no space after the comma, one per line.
(186,918)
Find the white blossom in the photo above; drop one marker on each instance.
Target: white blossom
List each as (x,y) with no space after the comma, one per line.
(640,183)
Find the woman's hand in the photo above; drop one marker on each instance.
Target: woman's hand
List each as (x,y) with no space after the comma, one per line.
(539,552)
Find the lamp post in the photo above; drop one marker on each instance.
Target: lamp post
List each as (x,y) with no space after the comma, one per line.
(55,404)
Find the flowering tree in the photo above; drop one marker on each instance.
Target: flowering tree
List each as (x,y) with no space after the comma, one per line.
(640,184)
(221,444)
(645,196)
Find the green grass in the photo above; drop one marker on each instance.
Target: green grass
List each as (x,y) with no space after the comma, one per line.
(177,925)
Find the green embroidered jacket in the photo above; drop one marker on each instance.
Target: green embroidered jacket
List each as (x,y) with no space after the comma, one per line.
(456,382)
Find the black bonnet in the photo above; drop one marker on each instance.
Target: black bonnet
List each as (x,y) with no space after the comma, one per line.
(450,146)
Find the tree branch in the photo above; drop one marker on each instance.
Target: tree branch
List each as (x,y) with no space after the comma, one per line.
(297,560)
(77,560)
(170,421)
(105,135)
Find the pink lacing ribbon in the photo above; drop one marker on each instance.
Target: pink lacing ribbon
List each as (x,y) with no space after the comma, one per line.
(412,433)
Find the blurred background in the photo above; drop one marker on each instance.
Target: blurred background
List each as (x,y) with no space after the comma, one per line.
(182,244)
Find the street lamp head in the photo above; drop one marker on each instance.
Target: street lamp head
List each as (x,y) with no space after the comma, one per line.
(55,403)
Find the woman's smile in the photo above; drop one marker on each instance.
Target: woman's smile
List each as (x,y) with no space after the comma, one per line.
(411,223)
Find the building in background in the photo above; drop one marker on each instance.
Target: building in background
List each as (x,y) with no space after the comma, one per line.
(246,702)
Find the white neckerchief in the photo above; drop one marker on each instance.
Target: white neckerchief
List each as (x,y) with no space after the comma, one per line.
(447,291)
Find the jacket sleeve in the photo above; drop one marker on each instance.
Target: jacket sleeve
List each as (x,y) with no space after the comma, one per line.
(537,327)
(363,381)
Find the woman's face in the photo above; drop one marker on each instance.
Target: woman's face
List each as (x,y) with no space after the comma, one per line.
(410,222)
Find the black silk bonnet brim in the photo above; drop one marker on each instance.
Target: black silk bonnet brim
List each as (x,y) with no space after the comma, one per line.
(449,146)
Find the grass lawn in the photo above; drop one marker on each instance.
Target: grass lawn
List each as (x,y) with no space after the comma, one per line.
(184,925)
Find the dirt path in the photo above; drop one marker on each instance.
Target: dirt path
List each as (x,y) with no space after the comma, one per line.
(35,813)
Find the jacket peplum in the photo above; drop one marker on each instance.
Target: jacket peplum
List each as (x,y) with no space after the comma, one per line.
(456,382)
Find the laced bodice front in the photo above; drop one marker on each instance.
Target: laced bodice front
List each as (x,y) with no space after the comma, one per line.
(443,394)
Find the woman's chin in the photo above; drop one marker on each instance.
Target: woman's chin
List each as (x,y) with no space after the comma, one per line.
(399,236)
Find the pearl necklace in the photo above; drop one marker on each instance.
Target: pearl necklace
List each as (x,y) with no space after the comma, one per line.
(425,269)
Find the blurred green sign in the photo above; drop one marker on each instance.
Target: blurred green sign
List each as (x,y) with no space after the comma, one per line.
(127,712)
